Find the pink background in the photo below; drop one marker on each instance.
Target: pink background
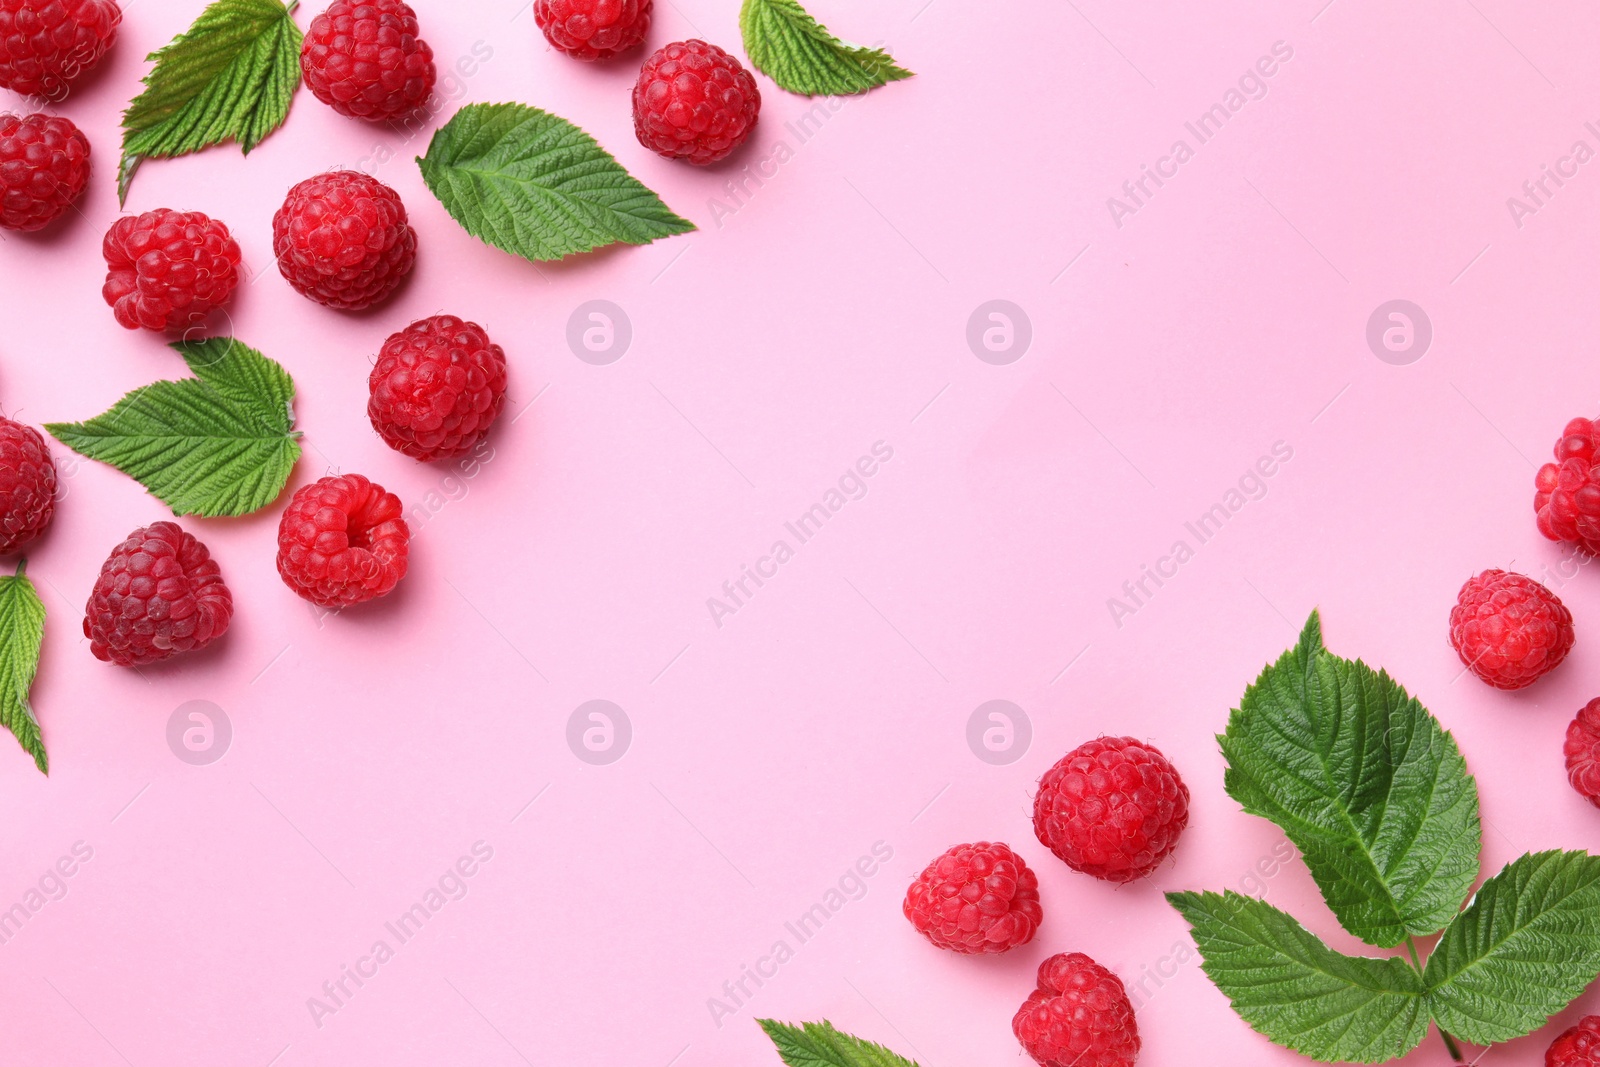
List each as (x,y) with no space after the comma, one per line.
(827,313)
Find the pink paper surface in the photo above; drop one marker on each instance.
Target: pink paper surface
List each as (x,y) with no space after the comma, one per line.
(819,315)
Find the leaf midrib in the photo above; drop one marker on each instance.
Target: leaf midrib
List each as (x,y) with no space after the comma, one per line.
(1492,947)
(1336,796)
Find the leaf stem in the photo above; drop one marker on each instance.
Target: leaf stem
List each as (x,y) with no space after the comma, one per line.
(1449,1042)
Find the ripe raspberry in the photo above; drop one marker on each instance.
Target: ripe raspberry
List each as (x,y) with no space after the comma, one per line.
(694,101)
(593,29)
(1078,1017)
(44,166)
(976,900)
(1509,630)
(363,58)
(1578,1047)
(342,542)
(27,485)
(437,387)
(159,594)
(1112,808)
(342,239)
(169,269)
(1567,497)
(1582,750)
(46,44)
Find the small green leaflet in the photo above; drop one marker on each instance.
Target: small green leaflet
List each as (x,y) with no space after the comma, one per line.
(789,46)
(21,637)
(1297,991)
(231,77)
(820,1045)
(533,184)
(1365,782)
(1528,944)
(220,443)
(1377,796)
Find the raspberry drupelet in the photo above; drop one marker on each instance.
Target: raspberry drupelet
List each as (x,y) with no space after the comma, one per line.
(1509,630)
(593,29)
(364,59)
(1112,808)
(27,486)
(1567,492)
(694,102)
(168,270)
(342,541)
(158,595)
(1578,1046)
(46,45)
(437,387)
(343,239)
(44,167)
(1079,1016)
(977,899)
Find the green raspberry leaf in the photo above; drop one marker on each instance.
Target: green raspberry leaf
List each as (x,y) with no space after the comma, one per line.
(1521,952)
(820,1045)
(21,637)
(533,184)
(1298,992)
(230,77)
(220,443)
(1365,782)
(789,46)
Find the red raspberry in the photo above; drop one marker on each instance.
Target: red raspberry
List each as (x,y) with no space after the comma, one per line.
(342,239)
(44,166)
(1078,1017)
(1113,808)
(46,44)
(593,29)
(27,485)
(159,594)
(1582,750)
(1578,1047)
(1509,630)
(1568,491)
(437,387)
(694,101)
(363,58)
(342,542)
(976,900)
(169,269)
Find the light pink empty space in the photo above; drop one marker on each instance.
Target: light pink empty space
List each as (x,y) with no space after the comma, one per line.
(819,315)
